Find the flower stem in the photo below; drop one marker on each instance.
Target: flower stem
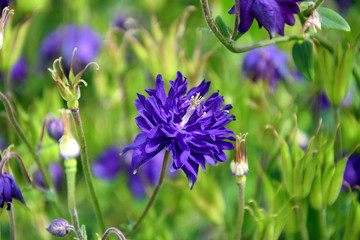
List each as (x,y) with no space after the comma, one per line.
(70,168)
(338,143)
(308,11)
(114,230)
(161,179)
(12,224)
(322,223)
(229,44)
(17,127)
(86,168)
(236,22)
(302,222)
(241,187)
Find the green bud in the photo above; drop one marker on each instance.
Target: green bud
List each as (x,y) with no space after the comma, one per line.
(336,182)
(336,72)
(315,197)
(222,27)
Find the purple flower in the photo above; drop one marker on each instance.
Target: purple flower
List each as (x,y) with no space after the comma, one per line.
(63,40)
(2,144)
(19,71)
(272,14)
(267,64)
(192,129)
(55,128)
(108,164)
(57,175)
(352,170)
(9,190)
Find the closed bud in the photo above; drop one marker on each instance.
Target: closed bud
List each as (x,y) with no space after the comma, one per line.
(4,17)
(55,128)
(68,146)
(59,228)
(239,166)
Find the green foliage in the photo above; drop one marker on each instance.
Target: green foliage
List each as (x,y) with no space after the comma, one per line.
(332,20)
(302,54)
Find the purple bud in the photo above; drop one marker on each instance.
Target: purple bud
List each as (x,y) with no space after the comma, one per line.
(55,129)
(58,228)
(118,20)
(19,71)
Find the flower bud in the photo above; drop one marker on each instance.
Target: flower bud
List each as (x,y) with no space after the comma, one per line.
(4,17)
(239,166)
(55,128)
(58,228)
(68,146)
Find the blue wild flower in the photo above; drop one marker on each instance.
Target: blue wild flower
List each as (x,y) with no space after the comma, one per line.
(191,128)
(9,190)
(272,14)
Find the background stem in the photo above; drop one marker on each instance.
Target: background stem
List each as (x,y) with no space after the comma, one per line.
(86,168)
(240,219)
(161,179)
(12,224)
(70,168)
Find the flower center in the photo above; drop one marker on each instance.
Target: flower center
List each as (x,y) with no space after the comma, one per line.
(194,102)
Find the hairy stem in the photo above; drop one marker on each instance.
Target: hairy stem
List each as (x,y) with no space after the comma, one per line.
(240,219)
(113,230)
(70,168)
(161,179)
(302,222)
(229,44)
(86,168)
(236,22)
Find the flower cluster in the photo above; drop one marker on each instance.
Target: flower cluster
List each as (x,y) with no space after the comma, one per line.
(272,14)
(191,128)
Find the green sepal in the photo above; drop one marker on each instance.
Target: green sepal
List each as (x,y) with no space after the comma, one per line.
(336,183)
(222,27)
(315,197)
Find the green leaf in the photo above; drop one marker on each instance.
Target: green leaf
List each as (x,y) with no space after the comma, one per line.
(332,20)
(302,53)
(222,27)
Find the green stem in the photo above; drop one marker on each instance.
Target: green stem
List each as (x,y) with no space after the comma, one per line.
(322,223)
(308,11)
(229,44)
(12,224)
(86,168)
(17,127)
(70,168)
(240,219)
(302,222)
(338,142)
(237,14)
(161,179)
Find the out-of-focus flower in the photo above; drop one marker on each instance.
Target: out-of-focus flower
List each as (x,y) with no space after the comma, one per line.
(352,170)
(59,228)
(4,17)
(108,164)
(55,128)
(9,190)
(344,5)
(68,146)
(118,20)
(272,14)
(191,128)
(111,163)
(4,3)
(267,64)
(57,174)
(19,71)
(63,40)
(239,166)
(2,144)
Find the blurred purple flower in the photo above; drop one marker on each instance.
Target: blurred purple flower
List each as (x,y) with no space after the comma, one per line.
(272,14)
(4,3)
(192,129)
(63,40)
(55,128)
(2,144)
(108,164)
(352,170)
(57,175)
(9,190)
(19,71)
(267,64)
(118,20)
